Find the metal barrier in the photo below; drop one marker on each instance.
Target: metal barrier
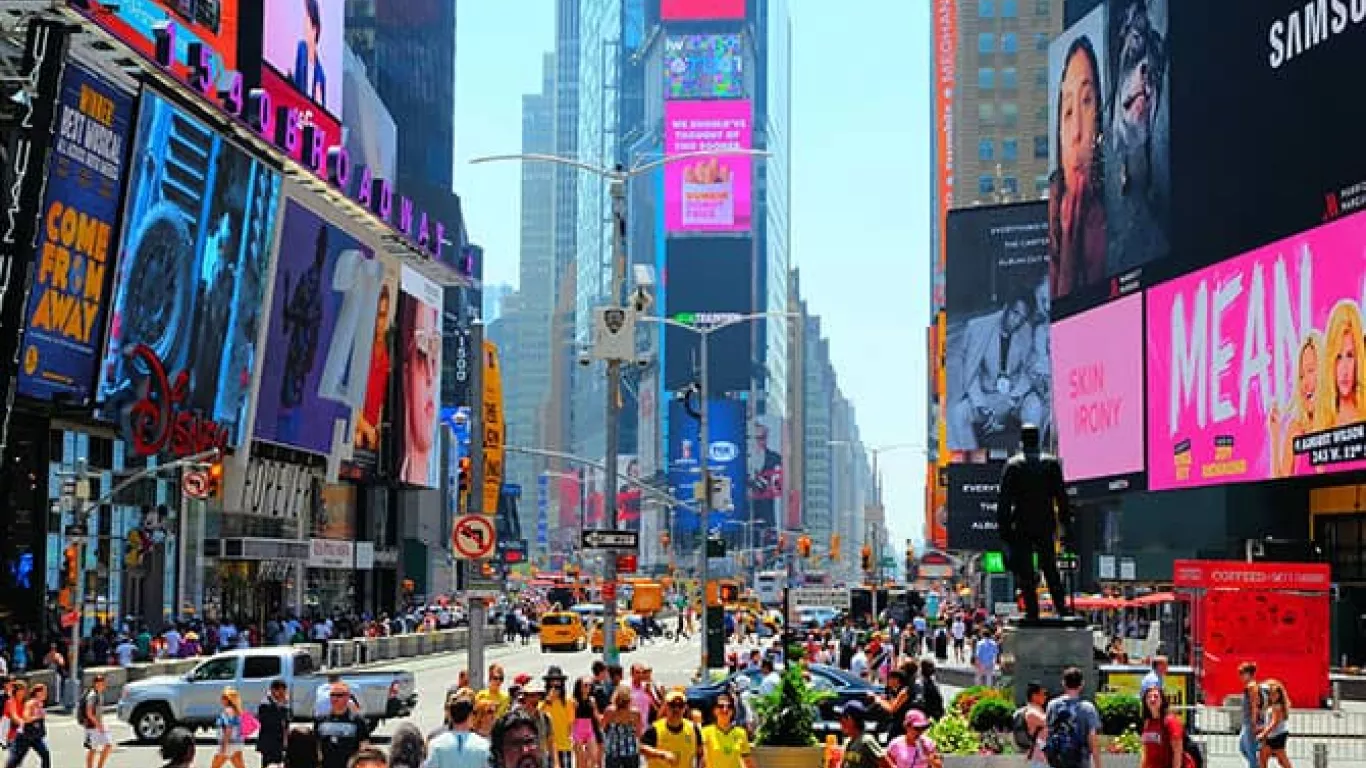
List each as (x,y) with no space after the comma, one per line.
(1302,751)
(1304,723)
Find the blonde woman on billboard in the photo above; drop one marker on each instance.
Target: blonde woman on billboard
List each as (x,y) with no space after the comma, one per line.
(1344,368)
(1298,418)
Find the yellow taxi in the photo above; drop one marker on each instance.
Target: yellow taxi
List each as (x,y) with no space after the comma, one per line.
(562,630)
(627,639)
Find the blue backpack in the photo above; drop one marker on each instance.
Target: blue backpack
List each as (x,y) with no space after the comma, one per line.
(1066,744)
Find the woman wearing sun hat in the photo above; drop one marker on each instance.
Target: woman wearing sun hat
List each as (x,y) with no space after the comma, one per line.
(914,749)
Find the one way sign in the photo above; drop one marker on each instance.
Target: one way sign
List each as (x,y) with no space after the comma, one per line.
(600,539)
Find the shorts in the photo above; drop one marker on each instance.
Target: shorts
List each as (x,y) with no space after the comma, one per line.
(958,642)
(582,732)
(97,739)
(1277,742)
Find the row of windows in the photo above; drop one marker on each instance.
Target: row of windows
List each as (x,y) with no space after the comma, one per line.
(1010,149)
(986,42)
(1010,77)
(1009,114)
(1010,185)
(1009,9)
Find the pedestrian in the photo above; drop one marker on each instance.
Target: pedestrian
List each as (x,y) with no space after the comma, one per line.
(407,748)
(1073,726)
(1156,677)
(928,698)
(1276,732)
(98,744)
(959,630)
(899,699)
(342,731)
(177,749)
(515,743)
(621,731)
(725,743)
(1253,713)
(460,746)
(494,692)
(12,719)
(274,715)
(858,665)
(485,715)
(561,713)
(55,662)
(33,729)
(770,679)
(861,749)
(1163,735)
(672,741)
(985,655)
(231,739)
(913,749)
(585,724)
(1035,734)
(369,757)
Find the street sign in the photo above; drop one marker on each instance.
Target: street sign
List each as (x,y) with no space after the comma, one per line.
(195,484)
(473,537)
(993,562)
(888,562)
(609,591)
(627,563)
(1068,563)
(474,584)
(605,539)
(512,552)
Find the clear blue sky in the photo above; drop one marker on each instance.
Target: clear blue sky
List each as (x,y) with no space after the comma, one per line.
(860,192)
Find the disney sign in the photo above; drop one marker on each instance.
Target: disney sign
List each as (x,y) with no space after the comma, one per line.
(159,422)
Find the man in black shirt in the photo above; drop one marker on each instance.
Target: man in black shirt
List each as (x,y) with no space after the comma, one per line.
(274,715)
(341,732)
(1032,508)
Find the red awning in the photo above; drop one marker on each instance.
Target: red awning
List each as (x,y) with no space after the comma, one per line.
(1156,598)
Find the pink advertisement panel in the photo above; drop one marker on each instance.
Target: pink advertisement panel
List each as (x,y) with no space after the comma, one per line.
(1098,390)
(1257,366)
(708,194)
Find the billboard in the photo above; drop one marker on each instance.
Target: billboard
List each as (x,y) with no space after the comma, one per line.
(1109,146)
(303,41)
(996,345)
(212,24)
(766,478)
(301,108)
(974,490)
(708,281)
(74,249)
(1098,367)
(320,332)
(194,257)
(420,356)
(704,66)
(368,438)
(701,10)
(708,194)
(726,431)
(1257,367)
(945,23)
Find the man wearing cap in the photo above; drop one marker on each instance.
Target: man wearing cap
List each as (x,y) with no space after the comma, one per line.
(673,741)
(861,749)
(458,747)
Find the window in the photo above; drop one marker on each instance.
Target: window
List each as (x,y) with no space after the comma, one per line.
(1043,7)
(261,667)
(1010,149)
(1010,185)
(986,150)
(1041,77)
(986,184)
(1010,43)
(986,43)
(223,668)
(1009,9)
(1040,147)
(986,8)
(1040,41)
(303,664)
(1010,114)
(986,114)
(1010,79)
(986,78)
(1041,186)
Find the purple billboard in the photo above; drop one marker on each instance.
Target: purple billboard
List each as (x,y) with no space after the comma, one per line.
(321,332)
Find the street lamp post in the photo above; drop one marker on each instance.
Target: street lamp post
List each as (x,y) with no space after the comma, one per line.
(616,178)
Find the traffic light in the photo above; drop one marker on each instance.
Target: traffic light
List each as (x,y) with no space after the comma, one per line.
(466,478)
(804,545)
(835,547)
(70,573)
(866,558)
(215,479)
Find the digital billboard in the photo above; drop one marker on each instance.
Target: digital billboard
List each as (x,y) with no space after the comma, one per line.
(974,491)
(74,249)
(419,329)
(1257,366)
(996,347)
(726,432)
(370,421)
(708,281)
(1098,397)
(766,482)
(308,114)
(319,333)
(303,42)
(708,194)
(701,10)
(194,257)
(212,24)
(704,67)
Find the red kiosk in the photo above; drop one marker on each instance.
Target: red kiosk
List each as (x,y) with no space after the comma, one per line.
(1274,614)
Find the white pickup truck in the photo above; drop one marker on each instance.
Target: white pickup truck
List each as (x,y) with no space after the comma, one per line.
(155,705)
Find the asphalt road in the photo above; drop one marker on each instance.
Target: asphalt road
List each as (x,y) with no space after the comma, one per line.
(674,664)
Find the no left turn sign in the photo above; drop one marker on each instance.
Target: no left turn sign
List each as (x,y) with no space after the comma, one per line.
(473,537)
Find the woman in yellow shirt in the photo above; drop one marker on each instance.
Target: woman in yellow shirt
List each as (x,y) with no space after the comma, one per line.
(725,744)
(561,713)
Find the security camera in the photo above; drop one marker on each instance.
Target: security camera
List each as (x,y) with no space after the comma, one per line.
(585,360)
(644,362)
(641,299)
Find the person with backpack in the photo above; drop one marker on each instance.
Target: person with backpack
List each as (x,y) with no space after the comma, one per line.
(1073,726)
(1030,726)
(1164,737)
(1253,714)
(98,743)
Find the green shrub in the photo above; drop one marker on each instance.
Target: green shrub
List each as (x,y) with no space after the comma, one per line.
(991,714)
(1119,712)
(953,736)
(966,699)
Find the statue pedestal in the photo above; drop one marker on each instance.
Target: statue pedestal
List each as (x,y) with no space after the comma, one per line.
(1041,649)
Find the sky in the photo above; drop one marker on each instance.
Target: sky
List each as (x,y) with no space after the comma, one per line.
(860,194)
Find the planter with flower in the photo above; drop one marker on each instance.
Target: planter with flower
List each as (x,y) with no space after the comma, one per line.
(787,734)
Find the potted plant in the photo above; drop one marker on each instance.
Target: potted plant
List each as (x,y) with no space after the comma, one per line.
(787,733)
(1123,750)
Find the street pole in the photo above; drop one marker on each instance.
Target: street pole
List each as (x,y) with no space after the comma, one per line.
(610,654)
(478,611)
(704,504)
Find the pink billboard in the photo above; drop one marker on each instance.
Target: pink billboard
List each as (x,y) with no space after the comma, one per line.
(1257,366)
(1098,390)
(707,194)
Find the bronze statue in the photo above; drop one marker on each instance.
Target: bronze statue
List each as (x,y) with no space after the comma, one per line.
(1032,509)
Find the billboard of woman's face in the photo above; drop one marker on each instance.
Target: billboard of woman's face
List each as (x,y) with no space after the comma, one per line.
(420,344)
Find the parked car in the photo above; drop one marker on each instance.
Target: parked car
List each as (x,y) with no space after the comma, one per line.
(845,686)
(562,630)
(155,705)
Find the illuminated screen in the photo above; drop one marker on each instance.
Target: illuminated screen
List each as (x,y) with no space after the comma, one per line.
(212,23)
(704,67)
(303,42)
(698,10)
(707,194)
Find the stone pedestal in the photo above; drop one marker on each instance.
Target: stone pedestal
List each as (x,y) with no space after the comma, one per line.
(1038,651)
